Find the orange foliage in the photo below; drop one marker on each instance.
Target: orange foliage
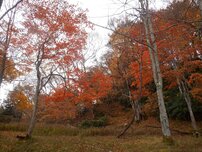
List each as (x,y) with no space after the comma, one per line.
(56,111)
(61,105)
(179,47)
(19,100)
(143,77)
(55,30)
(94,85)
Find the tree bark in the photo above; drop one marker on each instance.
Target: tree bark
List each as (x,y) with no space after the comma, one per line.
(150,38)
(1,2)
(35,108)
(3,66)
(200,7)
(36,96)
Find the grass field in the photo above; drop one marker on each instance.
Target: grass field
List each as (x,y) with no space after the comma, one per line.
(59,138)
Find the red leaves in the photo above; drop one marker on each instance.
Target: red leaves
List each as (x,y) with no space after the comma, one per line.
(57,25)
(59,95)
(94,86)
(142,76)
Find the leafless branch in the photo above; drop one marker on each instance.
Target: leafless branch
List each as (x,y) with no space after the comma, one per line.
(10,9)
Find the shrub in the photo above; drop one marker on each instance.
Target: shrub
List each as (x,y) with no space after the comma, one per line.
(101,122)
(5,119)
(177,107)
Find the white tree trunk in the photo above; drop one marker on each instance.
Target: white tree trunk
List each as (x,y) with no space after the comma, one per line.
(150,38)
(36,96)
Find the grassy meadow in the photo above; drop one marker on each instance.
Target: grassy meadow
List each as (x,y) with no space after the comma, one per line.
(60,138)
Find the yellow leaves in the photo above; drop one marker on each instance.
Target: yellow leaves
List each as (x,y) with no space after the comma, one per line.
(19,100)
(10,70)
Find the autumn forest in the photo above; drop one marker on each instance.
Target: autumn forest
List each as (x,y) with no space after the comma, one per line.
(143,94)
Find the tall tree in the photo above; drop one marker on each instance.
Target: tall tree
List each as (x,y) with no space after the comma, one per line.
(152,46)
(52,39)
(179,49)
(126,64)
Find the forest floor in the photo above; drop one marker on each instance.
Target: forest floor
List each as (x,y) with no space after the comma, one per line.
(61,138)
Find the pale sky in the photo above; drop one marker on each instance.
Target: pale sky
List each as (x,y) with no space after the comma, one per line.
(101,10)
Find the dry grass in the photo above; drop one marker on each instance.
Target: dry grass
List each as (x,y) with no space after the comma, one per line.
(58,138)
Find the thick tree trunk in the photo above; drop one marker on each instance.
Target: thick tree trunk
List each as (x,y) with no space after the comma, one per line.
(150,38)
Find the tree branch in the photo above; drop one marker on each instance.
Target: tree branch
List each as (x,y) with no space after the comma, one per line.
(10,9)
(1,2)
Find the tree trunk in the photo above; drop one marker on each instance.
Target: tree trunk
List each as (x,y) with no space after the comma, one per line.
(127,126)
(200,21)
(36,98)
(4,50)
(135,104)
(3,66)
(136,110)
(1,2)
(150,38)
(187,98)
(200,7)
